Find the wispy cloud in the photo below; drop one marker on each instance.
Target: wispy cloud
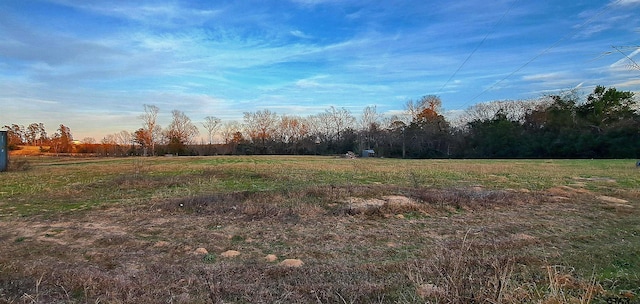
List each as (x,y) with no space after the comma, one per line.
(300,34)
(544,77)
(593,25)
(309,83)
(298,56)
(157,14)
(625,2)
(634,83)
(318,2)
(555,80)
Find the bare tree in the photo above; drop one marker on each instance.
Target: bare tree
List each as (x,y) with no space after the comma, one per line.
(211,124)
(515,110)
(150,126)
(181,130)
(229,130)
(369,124)
(339,120)
(413,109)
(123,138)
(108,139)
(292,128)
(261,126)
(370,117)
(119,143)
(319,126)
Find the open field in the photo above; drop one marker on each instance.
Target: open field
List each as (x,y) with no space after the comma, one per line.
(231,229)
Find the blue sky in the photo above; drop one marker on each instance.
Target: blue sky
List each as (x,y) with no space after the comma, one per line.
(91,65)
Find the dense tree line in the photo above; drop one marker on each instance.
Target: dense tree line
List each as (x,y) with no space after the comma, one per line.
(606,124)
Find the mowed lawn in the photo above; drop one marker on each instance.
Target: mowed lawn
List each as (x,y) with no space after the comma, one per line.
(310,229)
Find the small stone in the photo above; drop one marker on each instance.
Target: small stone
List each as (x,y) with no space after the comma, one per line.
(230,253)
(201,250)
(161,244)
(271,258)
(291,263)
(610,199)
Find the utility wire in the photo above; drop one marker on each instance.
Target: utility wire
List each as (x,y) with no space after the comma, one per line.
(477,46)
(571,34)
(634,64)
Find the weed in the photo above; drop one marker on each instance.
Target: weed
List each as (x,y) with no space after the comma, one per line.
(238,239)
(415,180)
(209,258)
(462,272)
(139,167)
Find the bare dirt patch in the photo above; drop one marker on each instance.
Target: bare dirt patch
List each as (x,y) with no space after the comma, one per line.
(291,263)
(615,202)
(230,253)
(201,251)
(390,204)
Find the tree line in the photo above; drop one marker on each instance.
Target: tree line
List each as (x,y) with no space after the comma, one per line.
(36,134)
(605,124)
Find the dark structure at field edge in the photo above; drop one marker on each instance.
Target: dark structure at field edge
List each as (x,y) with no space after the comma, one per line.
(4,151)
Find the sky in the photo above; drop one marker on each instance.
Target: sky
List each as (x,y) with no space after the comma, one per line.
(93,65)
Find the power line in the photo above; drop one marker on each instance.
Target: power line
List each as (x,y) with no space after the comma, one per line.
(571,34)
(634,64)
(478,46)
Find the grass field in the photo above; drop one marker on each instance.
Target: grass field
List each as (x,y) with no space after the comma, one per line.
(285,229)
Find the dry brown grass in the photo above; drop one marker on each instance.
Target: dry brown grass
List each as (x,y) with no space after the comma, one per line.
(28,150)
(398,242)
